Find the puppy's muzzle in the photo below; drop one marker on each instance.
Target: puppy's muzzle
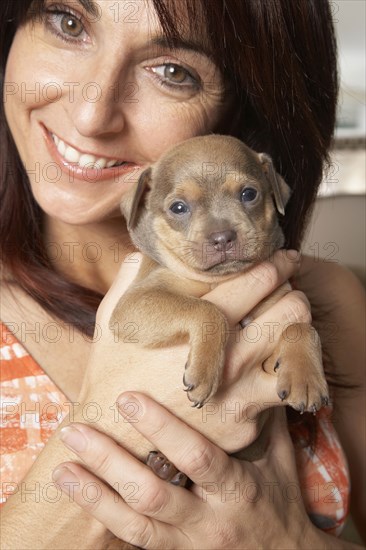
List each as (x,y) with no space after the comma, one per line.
(223,241)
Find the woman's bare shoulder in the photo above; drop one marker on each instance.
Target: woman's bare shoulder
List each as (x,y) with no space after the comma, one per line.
(59,349)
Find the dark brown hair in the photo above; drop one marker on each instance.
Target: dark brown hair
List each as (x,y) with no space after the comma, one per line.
(279,57)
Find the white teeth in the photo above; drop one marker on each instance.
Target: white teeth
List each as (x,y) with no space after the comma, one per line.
(83,159)
(71,154)
(86,160)
(61,147)
(101,163)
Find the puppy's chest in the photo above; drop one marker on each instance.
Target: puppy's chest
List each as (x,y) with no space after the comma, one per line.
(163,278)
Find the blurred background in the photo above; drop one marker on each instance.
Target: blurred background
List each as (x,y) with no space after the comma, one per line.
(337,231)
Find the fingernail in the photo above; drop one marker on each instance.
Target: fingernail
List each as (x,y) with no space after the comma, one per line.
(73,439)
(129,407)
(62,475)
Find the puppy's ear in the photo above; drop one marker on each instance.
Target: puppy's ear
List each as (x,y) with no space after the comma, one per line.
(281,190)
(131,201)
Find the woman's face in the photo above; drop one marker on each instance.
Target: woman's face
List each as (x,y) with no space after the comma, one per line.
(83,90)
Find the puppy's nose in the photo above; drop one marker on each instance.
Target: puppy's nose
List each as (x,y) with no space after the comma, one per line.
(223,240)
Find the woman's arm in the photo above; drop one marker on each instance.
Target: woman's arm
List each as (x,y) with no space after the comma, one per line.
(339,306)
(39,516)
(114,367)
(162,513)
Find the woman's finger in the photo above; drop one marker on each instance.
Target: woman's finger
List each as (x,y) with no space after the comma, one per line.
(237,297)
(280,445)
(135,482)
(280,449)
(194,455)
(259,338)
(113,511)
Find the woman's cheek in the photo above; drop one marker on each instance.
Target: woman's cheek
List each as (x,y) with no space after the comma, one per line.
(171,122)
(31,89)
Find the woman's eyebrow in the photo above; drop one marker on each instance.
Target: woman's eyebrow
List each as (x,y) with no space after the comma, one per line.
(90,6)
(179,43)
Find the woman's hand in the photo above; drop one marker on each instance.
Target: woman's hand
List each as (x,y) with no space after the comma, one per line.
(232,504)
(247,389)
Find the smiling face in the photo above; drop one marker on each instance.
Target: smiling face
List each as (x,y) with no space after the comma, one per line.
(93,98)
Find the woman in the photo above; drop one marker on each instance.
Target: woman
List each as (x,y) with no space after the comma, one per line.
(86,86)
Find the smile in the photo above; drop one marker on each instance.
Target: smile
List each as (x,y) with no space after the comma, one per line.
(82,159)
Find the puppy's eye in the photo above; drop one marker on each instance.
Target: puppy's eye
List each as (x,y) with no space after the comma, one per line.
(179,208)
(248,194)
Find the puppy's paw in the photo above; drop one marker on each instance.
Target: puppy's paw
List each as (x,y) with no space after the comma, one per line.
(298,365)
(202,376)
(301,385)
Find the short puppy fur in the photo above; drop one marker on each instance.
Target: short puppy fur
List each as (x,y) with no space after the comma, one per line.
(206,211)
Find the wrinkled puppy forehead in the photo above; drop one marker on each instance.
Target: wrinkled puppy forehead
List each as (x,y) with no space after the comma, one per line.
(207,159)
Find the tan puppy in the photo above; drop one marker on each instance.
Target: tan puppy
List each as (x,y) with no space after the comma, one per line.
(204,212)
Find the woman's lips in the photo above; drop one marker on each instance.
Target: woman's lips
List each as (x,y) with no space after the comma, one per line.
(89,172)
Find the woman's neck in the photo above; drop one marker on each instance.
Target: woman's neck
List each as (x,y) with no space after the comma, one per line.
(89,255)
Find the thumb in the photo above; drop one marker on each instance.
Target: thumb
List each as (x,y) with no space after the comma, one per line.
(125,277)
(281,449)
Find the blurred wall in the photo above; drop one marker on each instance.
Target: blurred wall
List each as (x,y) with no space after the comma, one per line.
(337,229)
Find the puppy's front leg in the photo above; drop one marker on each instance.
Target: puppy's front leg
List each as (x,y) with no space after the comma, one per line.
(297,361)
(162,318)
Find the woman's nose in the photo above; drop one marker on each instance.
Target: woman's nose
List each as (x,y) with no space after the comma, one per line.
(98,107)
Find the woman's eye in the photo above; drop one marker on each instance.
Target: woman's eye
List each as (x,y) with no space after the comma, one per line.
(70,25)
(64,24)
(179,208)
(248,194)
(175,75)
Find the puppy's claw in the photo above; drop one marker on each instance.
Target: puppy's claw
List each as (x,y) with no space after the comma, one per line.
(188,387)
(314,409)
(282,394)
(325,400)
(277,366)
(196,404)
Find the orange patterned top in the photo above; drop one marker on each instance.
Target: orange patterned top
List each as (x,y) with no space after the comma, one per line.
(32,408)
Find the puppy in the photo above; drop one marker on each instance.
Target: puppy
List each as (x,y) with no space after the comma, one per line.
(206,211)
